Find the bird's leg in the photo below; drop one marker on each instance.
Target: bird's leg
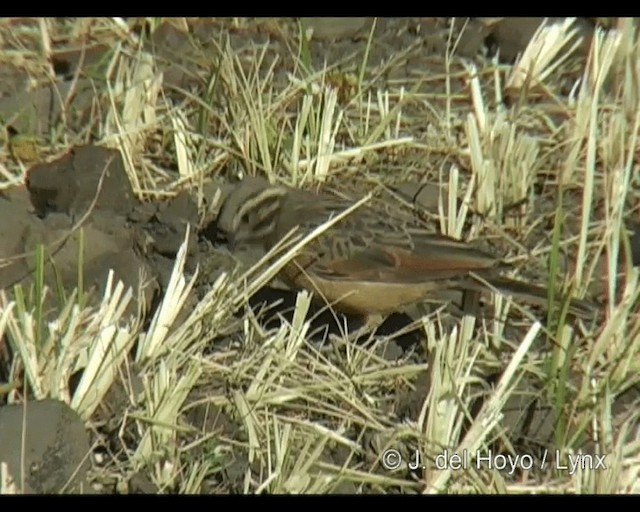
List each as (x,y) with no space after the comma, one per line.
(471,302)
(371,323)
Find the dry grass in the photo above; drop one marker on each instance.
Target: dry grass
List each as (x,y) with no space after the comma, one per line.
(295,405)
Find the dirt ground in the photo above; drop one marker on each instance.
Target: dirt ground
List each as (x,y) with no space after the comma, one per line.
(140,236)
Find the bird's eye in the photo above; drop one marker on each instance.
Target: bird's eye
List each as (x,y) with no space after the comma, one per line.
(244,219)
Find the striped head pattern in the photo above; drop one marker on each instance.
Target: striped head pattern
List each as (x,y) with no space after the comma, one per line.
(250,212)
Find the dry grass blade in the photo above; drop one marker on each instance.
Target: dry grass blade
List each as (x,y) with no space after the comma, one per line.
(489,415)
(134,88)
(108,350)
(165,393)
(153,343)
(7,482)
(94,340)
(534,66)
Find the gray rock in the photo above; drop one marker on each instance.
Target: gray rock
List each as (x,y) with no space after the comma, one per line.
(334,28)
(56,447)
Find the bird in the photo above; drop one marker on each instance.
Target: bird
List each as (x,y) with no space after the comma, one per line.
(370,263)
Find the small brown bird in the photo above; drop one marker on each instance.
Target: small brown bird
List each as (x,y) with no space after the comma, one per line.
(370,263)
